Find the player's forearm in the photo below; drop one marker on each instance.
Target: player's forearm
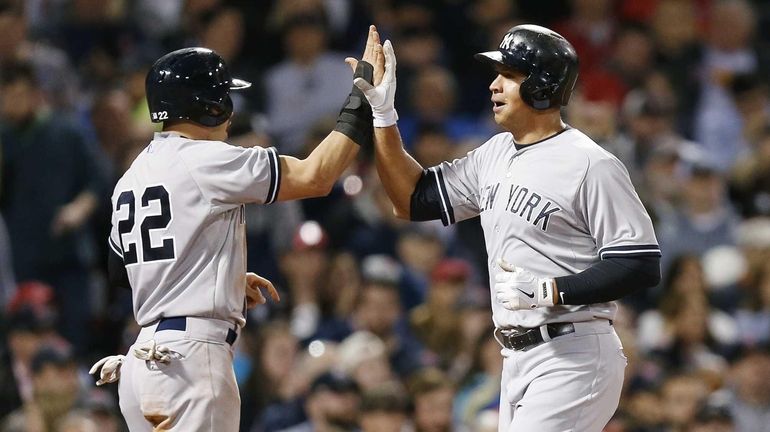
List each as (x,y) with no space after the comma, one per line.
(608,280)
(315,175)
(398,171)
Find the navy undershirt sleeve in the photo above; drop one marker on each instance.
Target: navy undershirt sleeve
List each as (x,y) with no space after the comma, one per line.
(608,280)
(116,271)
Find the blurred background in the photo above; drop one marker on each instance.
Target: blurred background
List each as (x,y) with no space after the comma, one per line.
(386,325)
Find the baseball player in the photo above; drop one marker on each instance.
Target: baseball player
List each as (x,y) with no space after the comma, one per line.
(564,229)
(178,239)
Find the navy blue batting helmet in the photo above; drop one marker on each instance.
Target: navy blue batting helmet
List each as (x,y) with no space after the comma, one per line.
(548,60)
(191,84)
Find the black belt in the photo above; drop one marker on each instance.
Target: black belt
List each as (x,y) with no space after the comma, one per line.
(530,338)
(180,323)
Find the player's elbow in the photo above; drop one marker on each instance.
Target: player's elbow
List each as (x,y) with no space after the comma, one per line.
(319,186)
(400,212)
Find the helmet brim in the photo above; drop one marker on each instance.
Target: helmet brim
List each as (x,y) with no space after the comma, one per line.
(238,84)
(490,57)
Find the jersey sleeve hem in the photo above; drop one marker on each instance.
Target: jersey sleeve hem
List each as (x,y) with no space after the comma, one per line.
(447,212)
(628,251)
(275,175)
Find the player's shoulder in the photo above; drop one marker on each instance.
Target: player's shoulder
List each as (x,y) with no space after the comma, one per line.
(594,153)
(493,145)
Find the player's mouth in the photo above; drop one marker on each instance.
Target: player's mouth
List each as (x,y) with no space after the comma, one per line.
(497,106)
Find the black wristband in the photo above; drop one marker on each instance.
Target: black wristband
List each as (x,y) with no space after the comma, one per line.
(355,119)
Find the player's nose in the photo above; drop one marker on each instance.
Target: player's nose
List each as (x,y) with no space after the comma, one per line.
(495,86)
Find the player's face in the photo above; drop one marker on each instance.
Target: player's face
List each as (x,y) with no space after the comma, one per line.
(506,100)
(18,102)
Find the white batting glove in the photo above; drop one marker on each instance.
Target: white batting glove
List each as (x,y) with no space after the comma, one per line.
(108,368)
(516,288)
(382,97)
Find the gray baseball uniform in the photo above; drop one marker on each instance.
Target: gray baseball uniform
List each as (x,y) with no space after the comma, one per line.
(555,208)
(178,224)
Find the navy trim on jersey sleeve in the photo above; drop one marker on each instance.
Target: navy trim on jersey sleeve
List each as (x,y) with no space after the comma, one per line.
(629,251)
(447,212)
(275,175)
(115,248)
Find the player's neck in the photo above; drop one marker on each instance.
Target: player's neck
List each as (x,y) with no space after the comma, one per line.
(536,128)
(190,130)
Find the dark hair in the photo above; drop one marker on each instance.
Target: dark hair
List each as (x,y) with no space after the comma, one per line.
(18,71)
(390,398)
(51,355)
(742,84)
(11,7)
(428,380)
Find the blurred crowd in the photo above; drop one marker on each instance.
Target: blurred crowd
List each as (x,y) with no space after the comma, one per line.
(385,325)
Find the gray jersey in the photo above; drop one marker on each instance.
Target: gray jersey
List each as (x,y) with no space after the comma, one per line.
(178,223)
(554,208)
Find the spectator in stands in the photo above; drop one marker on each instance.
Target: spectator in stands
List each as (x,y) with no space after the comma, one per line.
(437,321)
(420,248)
(44,156)
(439,110)
(685,332)
(730,51)
(713,417)
(272,379)
(480,391)
(432,394)
(364,357)
(304,269)
(750,181)
(55,391)
(703,219)
(384,409)
(753,317)
(628,66)
(751,392)
(52,67)
(331,406)
(681,395)
(307,85)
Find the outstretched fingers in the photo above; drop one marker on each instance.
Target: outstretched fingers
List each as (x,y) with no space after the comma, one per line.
(390,62)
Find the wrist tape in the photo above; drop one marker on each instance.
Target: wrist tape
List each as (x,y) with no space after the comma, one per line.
(355,119)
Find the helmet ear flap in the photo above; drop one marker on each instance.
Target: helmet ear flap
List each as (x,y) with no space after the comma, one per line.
(537,96)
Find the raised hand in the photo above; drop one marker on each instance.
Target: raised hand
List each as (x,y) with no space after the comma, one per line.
(372,55)
(382,96)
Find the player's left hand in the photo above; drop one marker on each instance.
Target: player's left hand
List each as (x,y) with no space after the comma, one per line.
(254,295)
(108,369)
(382,96)
(516,288)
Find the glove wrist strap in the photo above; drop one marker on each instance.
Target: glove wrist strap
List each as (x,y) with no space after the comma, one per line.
(545,292)
(386,118)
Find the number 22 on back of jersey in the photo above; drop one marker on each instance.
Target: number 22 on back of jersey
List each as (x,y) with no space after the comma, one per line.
(142,219)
